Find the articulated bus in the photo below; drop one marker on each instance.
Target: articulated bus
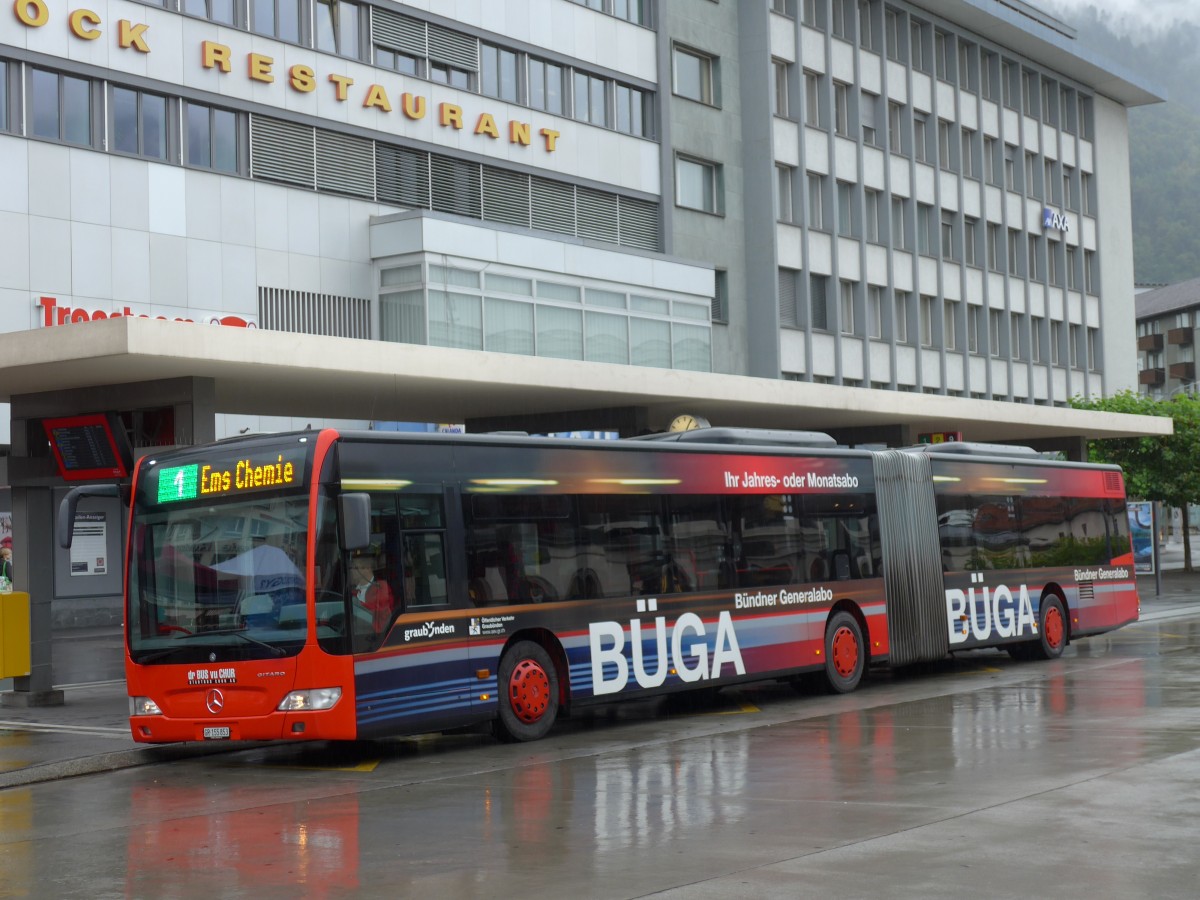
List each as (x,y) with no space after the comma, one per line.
(327,585)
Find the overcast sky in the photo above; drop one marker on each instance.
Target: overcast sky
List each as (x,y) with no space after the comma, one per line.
(1136,18)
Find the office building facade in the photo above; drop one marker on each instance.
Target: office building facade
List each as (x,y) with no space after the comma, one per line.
(910,197)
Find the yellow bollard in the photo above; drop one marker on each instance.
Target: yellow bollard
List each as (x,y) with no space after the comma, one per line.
(14,634)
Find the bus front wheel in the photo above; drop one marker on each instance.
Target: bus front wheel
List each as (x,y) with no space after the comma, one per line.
(845,653)
(528,685)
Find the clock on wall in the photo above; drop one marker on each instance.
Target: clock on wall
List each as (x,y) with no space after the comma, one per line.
(688,422)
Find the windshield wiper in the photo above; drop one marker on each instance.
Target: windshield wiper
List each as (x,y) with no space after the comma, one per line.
(275,651)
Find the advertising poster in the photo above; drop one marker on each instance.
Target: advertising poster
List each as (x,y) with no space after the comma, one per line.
(1141,527)
(89,551)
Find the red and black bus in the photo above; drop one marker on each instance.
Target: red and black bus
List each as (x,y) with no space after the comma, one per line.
(326,585)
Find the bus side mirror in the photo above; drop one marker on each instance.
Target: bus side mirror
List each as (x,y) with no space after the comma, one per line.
(355,521)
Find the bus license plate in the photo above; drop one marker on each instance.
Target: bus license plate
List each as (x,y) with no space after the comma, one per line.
(217,733)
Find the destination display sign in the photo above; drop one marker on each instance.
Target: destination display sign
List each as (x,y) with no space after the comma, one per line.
(226,476)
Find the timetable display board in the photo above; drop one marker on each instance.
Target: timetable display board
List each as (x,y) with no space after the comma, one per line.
(89,447)
(224,475)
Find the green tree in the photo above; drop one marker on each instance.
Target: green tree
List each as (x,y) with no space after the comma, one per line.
(1167,468)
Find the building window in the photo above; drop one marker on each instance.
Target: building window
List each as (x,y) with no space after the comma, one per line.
(1053,274)
(941,55)
(926,322)
(968,153)
(1085,190)
(974,329)
(338,27)
(893,26)
(276,18)
(925,226)
(59,107)
(995,322)
(788,315)
(1010,75)
(1072,276)
(783,180)
(812,100)
(842,14)
(694,76)
(948,235)
(1014,251)
(993,246)
(846,306)
(900,317)
(991,159)
(138,123)
(216,10)
(590,99)
(1010,167)
(950,324)
(720,302)
(781,70)
(899,231)
(211,138)
(3,95)
(970,241)
(841,106)
(546,86)
(697,185)
(967,78)
(847,212)
(818,302)
(1090,279)
(498,73)
(1033,257)
(1029,94)
(1021,339)
(895,127)
(920,137)
(945,147)
(916,45)
(874,311)
(816,202)
(632,110)
(1092,361)
(1070,194)
(867,106)
(1035,339)
(1055,343)
(873,224)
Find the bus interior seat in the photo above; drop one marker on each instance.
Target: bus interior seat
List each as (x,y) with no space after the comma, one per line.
(841,564)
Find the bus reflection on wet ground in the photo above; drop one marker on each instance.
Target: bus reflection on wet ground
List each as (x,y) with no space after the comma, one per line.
(905,788)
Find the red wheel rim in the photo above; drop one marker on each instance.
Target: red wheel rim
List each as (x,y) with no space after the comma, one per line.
(845,652)
(1054,627)
(528,691)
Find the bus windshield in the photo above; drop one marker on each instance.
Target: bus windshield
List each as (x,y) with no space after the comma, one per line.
(219,581)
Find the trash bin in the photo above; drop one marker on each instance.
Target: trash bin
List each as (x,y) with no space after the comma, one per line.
(14,634)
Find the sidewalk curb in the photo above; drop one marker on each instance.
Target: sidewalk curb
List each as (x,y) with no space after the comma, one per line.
(113,761)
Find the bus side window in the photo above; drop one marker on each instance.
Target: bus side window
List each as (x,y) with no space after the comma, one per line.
(424,570)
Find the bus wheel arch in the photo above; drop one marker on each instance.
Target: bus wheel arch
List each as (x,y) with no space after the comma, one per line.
(846,648)
(532,687)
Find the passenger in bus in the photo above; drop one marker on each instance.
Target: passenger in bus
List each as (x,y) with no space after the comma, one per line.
(370,594)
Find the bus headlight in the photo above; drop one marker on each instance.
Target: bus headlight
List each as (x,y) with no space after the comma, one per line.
(143,706)
(317,698)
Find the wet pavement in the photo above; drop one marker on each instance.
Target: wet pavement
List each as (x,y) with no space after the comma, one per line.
(1078,777)
(90,732)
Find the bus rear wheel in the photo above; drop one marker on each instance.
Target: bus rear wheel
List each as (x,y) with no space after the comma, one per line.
(528,685)
(1052,633)
(845,653)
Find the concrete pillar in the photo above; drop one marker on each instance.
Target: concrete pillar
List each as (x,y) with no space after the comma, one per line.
(33,571)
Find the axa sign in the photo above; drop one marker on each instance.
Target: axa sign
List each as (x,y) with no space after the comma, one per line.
(56,313)
(1057,221)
